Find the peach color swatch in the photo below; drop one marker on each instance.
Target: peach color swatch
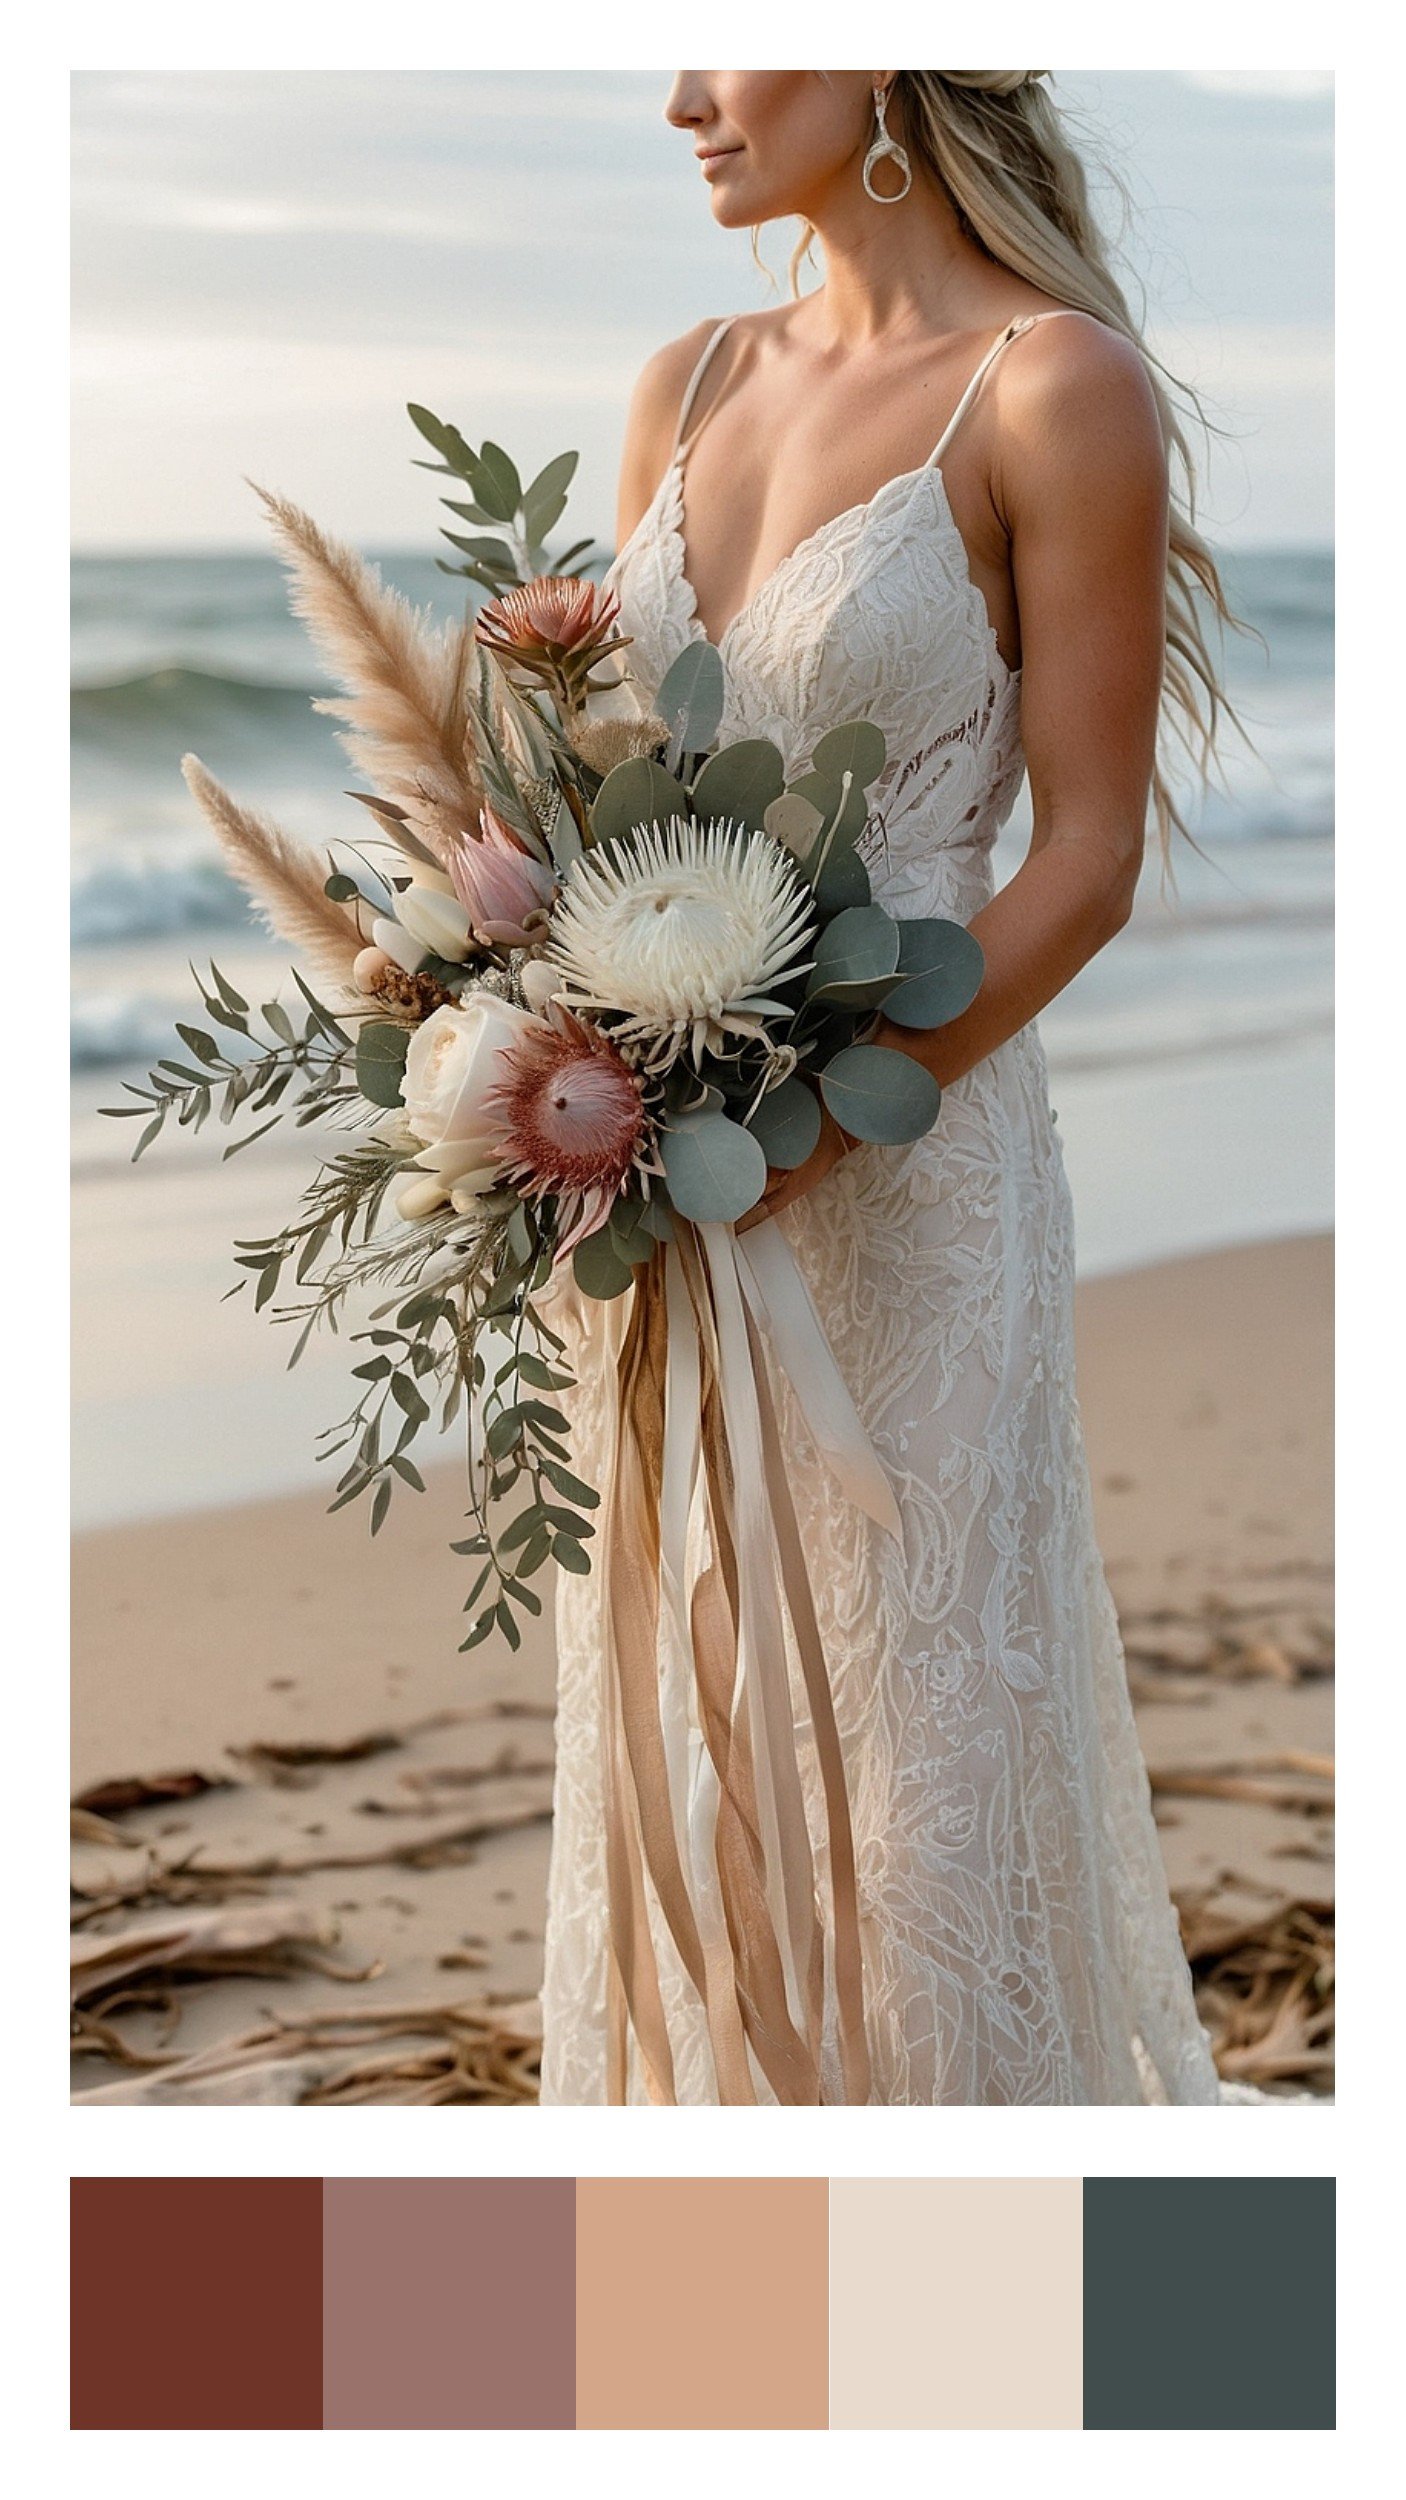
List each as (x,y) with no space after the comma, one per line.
(700,2304)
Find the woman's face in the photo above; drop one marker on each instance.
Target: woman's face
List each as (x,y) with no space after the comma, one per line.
(771,142)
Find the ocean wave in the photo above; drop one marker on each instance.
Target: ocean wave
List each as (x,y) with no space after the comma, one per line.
(122,1030)
(174,702)
(115,899)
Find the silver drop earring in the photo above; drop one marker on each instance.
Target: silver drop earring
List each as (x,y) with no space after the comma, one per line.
(883,147)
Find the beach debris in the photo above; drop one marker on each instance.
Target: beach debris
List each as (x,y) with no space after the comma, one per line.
(435,2054)
(139,1969)
(201,1942)
(161,1788)
(1308,1789)
(194,1877)
(1264,1984)
(289,1765)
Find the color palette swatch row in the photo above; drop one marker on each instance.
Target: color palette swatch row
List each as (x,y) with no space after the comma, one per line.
(702,2304)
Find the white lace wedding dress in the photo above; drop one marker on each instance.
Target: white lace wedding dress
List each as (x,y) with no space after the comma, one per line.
(1019,1942)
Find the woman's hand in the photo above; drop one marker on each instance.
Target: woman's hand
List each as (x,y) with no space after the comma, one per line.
(784,1188)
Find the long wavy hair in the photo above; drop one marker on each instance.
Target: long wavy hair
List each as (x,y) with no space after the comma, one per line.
(997,143)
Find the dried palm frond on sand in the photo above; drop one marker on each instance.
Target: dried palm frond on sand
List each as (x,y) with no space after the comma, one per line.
(420,2054)
(1264,1988)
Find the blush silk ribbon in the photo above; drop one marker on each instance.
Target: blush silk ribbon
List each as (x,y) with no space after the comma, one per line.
(708,1619)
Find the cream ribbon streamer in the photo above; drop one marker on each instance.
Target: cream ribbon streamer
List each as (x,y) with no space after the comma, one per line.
(715,1678)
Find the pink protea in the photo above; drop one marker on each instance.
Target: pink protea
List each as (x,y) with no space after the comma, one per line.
(554,629)
(500,885)
(569,1121)
(551,616)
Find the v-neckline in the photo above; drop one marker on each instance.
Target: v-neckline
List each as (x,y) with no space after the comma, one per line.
(783,564)
(674,519)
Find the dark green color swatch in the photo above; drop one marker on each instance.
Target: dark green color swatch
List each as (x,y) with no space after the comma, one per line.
(1209,2304)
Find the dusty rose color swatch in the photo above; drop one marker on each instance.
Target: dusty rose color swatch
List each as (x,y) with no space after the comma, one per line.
(700,2304)
(956,2304)
(196,2304)
(449,2304)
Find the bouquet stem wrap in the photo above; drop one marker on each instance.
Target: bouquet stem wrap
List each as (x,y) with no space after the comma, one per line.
(706,1582)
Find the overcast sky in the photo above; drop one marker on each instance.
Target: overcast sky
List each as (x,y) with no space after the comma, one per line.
(267,266)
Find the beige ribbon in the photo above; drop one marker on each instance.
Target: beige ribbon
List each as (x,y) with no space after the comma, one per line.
(707,1599)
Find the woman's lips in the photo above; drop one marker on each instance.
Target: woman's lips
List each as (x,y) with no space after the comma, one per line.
(709,158)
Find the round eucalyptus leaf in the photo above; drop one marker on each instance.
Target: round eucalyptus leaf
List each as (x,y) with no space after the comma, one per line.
(855,954)
(940,967)
(843,882)
(739,783)
(855,747)
(715,1169)
(786,1124)
(880,1095)
(637,792)
(597,1270)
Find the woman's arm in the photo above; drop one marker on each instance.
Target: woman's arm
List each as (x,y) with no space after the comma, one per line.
(1081,487)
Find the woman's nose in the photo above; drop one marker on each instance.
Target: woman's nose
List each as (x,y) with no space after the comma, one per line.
(687,101)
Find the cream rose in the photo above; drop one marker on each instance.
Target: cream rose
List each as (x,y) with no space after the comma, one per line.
(452,1061)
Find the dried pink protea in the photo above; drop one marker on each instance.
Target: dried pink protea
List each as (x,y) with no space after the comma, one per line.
(501,886)
(568,1120)
(554,628)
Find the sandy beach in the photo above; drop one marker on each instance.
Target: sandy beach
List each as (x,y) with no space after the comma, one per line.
(298,1811)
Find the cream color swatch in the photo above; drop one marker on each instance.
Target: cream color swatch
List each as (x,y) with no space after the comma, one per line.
(956,2304)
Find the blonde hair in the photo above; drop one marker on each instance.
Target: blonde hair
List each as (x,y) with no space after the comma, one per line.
(995,141)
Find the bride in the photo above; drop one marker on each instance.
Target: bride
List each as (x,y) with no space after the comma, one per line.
(933,492)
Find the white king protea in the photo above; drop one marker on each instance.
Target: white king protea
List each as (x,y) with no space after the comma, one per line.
(681,930)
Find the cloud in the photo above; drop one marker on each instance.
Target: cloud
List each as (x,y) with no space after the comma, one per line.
(1280,85)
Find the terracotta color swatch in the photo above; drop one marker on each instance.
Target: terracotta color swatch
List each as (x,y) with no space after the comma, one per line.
(196,2304)
(1209,2304)
(449,2304)
(700,2304)
(955,2304)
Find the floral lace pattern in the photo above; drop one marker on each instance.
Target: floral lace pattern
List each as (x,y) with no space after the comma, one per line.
(1020,1945)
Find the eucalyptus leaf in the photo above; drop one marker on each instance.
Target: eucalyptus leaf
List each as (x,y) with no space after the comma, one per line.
(786,1124)
(380,1063)
(715,1168)
(637,792)
(854,747)
(795,821)
(880,1095)
(691,698)
(940,971)
(544,501)
(856,956)
(741,783)
(843,882)
(597,1270)
(498,484)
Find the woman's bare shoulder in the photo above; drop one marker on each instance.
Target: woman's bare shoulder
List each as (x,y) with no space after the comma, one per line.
(663,378)
(1071,367)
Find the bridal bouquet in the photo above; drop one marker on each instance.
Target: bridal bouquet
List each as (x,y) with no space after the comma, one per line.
(587,976)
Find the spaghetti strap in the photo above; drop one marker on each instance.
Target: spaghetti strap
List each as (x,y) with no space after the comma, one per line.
(686,407)
(1017,329)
